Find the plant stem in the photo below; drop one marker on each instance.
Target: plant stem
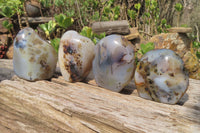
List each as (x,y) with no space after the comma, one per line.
(101,13)
(197,29)
(191,48)
(137,20)
(40,9)
(178,19)
(52,14)
(10,21)
(79,13)
(146,33)
(19,20)
(25,13)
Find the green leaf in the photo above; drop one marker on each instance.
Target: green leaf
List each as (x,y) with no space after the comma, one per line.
(51,26)
(117,10)
(116,17)
(107,10)
(48,28)
(7,12)
(43,26)
(7,25)
(98,37)
(132,14)
(163,21)
(55,43)
(96,16)
(147,3)
(196,44)
(147,14)
(198,54)
(179,7)
(159,29)
(184,25)
(168,26)
(63,21)
(154,3)
(147,47)
(87,32)
(137,6)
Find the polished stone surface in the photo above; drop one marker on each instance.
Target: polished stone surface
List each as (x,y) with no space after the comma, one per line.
(33,58)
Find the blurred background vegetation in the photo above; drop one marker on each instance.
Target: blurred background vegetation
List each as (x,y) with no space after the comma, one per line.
(150,16)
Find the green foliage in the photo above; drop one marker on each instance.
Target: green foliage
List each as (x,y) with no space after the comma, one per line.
(146,47)
(163,26)
(7,25)
(48,28)
(9,7)
(63,21)
(198,54)
(59,2)
(132,14)
(98,37)
(7,11)
(196,44)
(89,11)
(110,11)
(46,3)
(184,25)
(163,21)
(137,6)
(179,7)
(87,32)
(147,3)
(55,43)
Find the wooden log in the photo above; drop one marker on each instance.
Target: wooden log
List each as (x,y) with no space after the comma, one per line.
(37,20)
(180,30)
(111,27)
(59,106)
(134,34)
(6,69)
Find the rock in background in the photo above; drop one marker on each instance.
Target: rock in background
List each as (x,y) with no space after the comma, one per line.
(180,43)
(177,42)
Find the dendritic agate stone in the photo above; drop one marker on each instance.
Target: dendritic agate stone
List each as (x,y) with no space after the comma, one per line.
(160,76)
(113,66)
(76,53)
(33,58)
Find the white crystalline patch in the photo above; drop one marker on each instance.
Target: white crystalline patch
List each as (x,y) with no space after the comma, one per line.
(160,81)
(138,78)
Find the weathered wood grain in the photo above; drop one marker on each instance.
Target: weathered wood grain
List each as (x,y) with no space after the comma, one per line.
(59,106)
(6,69)
(111,27)
(36,20)
(180,30)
